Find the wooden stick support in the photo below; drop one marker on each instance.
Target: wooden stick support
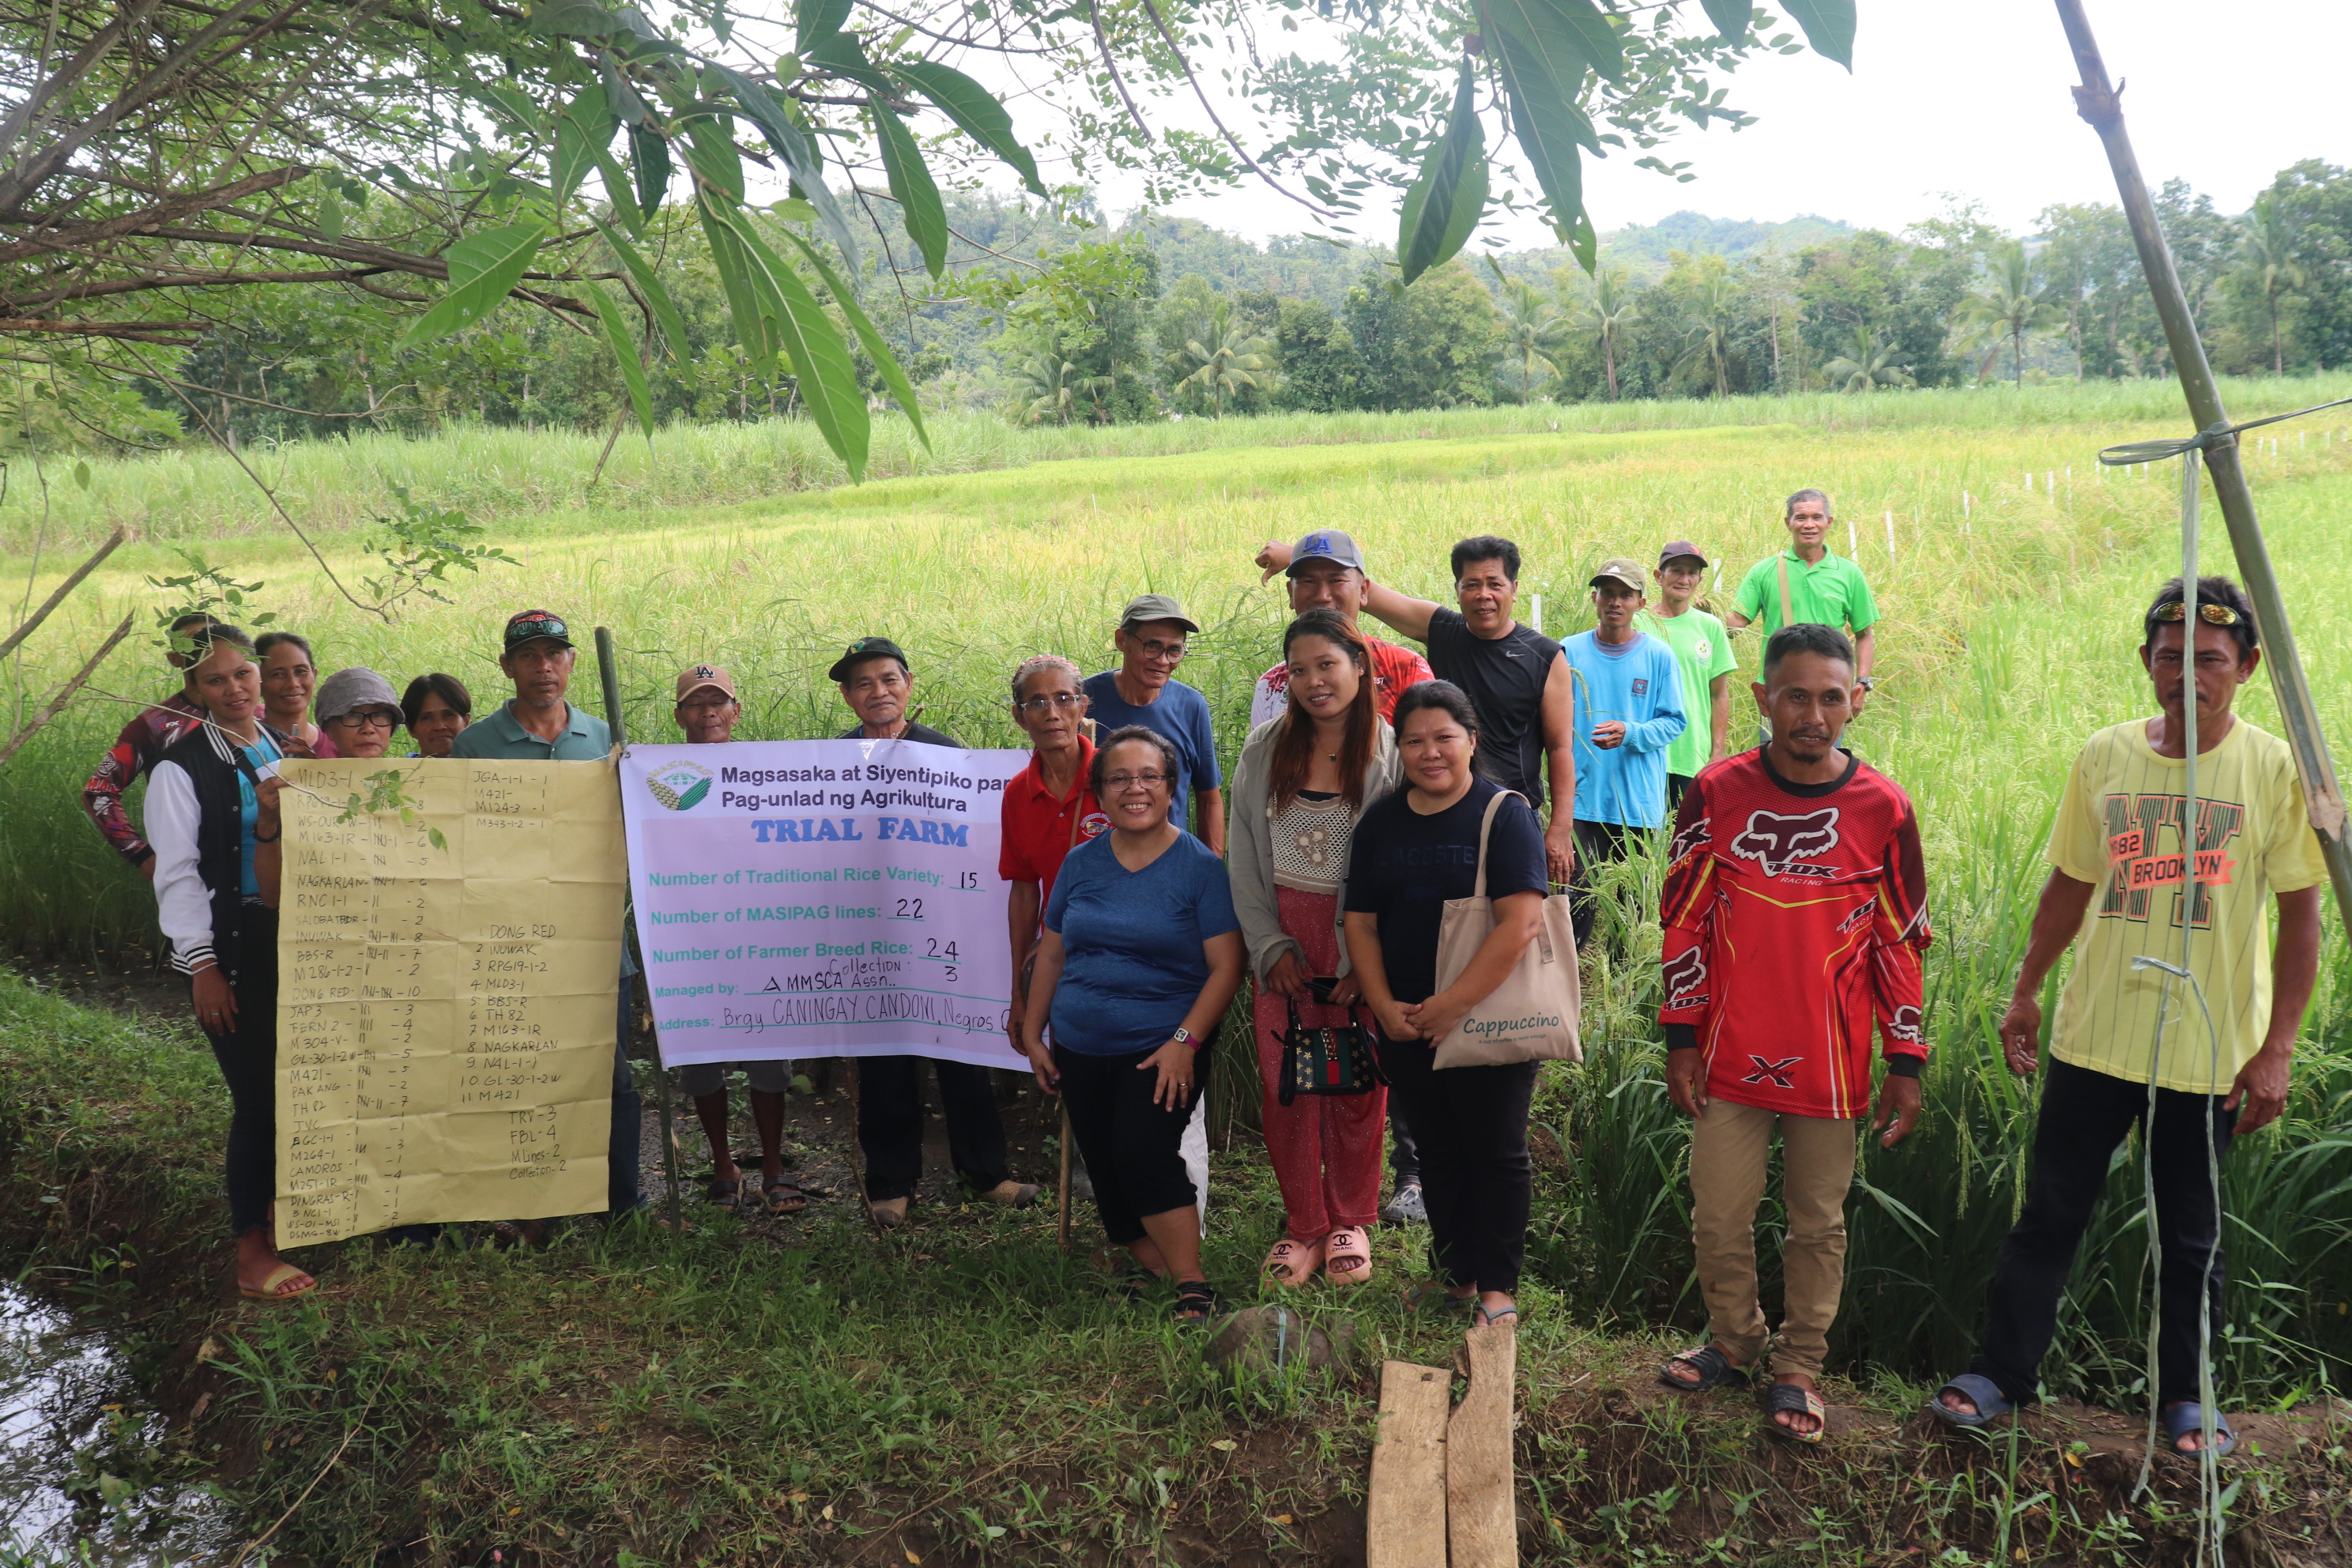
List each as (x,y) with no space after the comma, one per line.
(1481,1519)
(1405,1522)
(1062,1194)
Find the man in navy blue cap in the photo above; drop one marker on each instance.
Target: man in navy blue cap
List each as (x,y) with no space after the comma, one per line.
(1327,573)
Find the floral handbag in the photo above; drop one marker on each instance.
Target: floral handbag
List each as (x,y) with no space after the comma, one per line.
(1326,1060)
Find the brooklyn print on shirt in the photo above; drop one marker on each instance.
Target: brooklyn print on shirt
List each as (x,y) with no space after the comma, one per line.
(1795,917)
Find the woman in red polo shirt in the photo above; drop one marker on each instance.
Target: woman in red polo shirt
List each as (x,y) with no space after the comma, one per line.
(1049,807)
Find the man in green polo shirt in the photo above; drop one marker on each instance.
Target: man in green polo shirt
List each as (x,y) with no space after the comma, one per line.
(1806,584)
(540,724)
(537,724)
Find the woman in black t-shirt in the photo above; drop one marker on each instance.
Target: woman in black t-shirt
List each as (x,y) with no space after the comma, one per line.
(1413,852)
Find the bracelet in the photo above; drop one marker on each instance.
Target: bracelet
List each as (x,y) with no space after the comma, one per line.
(273,838)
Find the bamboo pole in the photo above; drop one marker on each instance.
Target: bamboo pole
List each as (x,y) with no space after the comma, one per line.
(608,671)
(2095,100)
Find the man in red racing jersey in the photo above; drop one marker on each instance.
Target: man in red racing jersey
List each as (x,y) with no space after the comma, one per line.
(1795,914)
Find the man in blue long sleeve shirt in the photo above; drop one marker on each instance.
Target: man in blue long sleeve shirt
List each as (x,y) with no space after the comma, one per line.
(1629,709)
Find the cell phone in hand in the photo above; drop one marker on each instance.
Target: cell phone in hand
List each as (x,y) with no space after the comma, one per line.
(1321,986)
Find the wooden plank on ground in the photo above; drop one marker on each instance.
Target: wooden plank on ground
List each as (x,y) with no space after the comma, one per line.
(1482,1522)
(1405,1525)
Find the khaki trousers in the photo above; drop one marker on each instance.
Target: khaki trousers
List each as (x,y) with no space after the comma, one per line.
(1729,1147)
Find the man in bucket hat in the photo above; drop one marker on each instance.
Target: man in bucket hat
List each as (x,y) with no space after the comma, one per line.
(1151,640)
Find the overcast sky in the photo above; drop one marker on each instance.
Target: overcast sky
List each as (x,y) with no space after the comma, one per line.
(1973,100)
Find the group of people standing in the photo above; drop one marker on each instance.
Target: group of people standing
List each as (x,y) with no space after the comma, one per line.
(1377,784)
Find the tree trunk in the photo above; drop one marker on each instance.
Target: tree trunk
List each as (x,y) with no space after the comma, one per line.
(2278,350)
(1608,358)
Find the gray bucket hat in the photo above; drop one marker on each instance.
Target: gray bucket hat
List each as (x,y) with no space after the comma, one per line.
(347,690)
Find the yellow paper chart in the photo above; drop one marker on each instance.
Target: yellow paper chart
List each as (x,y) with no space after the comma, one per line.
(445,1013)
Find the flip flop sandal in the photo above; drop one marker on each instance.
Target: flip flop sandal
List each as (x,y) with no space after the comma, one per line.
(2188,1416)
(1197,1304)
(269,1290)
(1292,1262)
(1347,1256)
(1788,1399)
(1982,1392)
(715,1190)
(1480,1317)
(1714,1368)
(784,1197)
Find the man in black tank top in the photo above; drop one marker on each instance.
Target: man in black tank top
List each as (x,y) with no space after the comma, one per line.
(1516,678)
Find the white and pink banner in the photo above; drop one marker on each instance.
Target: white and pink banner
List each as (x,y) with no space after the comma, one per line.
(821,898)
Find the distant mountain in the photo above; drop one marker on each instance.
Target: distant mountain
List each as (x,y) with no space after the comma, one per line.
(1643,249)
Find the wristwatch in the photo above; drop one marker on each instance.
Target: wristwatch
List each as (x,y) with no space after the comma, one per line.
(1867,684)
(1183,1036)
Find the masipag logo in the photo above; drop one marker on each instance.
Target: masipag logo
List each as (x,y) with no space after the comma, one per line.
(1774,841)
(678,785)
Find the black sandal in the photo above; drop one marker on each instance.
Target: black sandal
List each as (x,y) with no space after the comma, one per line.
(784,1197)
(1714,1369)
(1197,1302)
(716,1191)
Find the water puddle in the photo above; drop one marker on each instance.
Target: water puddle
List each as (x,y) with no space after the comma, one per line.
(86,1474)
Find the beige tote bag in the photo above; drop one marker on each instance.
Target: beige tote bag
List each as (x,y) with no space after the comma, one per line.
(1532,1015)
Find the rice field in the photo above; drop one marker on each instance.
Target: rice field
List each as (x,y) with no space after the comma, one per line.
(2012,618)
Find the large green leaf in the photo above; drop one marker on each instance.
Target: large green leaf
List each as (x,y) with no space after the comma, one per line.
(616,190)
(748,307)
(624,344)
(817,20)
(1563,42)
(483,269)
(821,361)
(649,156)
(649,284)
(585,126)
(574,19)
(1430,218)
(1567,35)
(1828,24)
(1549,126)
(710,150)
(1730,17)
(799,153)
(875,347)
(911,187)
(975,110)
(845,56)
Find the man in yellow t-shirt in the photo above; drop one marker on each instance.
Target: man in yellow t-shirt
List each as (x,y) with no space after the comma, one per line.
(2120,880)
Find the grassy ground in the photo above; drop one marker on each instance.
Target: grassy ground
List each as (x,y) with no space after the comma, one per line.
(970,1379)
(800,1392)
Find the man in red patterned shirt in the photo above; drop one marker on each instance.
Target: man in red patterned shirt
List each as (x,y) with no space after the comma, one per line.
(1325,570)
(141,744)
(1795,914)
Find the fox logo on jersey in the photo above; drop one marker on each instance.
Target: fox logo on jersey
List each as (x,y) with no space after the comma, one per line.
(1688,839)
(1905,1027)
(1775,841)
(1684,974)
(1776,1072)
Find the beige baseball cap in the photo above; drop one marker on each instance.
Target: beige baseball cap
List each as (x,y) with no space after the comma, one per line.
(1621,572)
(694,678)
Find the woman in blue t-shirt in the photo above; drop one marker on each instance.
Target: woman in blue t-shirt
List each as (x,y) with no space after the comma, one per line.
(1139,955)
(1413,852)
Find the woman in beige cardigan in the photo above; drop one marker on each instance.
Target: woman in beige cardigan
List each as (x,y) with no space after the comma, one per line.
(1303,781)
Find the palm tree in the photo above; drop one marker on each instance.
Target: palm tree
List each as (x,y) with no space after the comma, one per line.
(1048,384)
(1867,364)
(2009,305)
(1231,361)
(1706,328)
(2271,266)
(1533,328)
(1611,312)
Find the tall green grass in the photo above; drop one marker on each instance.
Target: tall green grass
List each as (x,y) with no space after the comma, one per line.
(2008,638)
(195,493)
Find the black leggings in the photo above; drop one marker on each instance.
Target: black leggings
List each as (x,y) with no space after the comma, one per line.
(247,1054)
(1133,1146)
(1475,1176)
